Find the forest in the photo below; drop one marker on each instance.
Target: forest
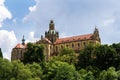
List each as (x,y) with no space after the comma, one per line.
(95,62)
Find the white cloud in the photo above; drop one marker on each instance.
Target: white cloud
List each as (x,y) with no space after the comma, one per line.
(108,21)
(76,17)
(33,8)
(31,37)
(4,12)
(7,42)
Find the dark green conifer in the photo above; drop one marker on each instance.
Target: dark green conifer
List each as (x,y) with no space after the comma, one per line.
(1,55)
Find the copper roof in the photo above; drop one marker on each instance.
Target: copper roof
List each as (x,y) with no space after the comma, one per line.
(20,46)
(74,38)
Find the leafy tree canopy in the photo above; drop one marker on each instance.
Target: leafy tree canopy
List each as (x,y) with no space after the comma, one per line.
(35,53)
(66,55)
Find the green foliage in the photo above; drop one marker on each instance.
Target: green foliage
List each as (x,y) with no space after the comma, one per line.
(110,74)
(5,69)
(116,46)
(101,56)
(66,55)
(35,53)
(105,57)
(36,70)
(87,56)
(20,71)
(66,51)
(95,71)
(118,73)
(60,71)
(86,75)
(95,62)
(89,76)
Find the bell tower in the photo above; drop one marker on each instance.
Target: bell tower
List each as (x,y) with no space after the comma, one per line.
(96,35)
(51,25)
(52,34)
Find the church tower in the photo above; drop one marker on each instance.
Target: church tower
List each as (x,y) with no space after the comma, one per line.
(96,35)
(52,34)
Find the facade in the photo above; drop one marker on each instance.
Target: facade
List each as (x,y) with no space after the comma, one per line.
(19,50)
(53,44)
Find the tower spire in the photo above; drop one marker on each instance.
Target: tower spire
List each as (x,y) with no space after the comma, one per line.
(96,34)
(96,30)
(23,41)
(51,25)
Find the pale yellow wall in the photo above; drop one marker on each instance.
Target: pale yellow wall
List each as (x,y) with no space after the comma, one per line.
(76,47)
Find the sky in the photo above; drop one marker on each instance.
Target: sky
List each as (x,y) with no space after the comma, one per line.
(71,17)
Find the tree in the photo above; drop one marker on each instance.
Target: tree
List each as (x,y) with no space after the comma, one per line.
(20,71)
(66,51)
(1,55)
(86,75)
(87,56)
(118,73)
(60,71)
(66,55)
(116,46)
(36,70)
(101,56)
(105,57)
(35,53)
(110,74)
(5,69)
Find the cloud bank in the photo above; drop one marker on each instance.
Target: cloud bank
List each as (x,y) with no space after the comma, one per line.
(7,42)
(79,16)
(4,12)
(7,38)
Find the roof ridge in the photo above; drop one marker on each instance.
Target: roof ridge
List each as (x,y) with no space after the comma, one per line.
(76,36)
(73,38)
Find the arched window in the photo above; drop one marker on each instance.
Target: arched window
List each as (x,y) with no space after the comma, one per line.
(62,46)
(78,45)
(72,45)
(84,44)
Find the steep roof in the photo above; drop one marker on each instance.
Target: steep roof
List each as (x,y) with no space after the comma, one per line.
(47,40)
(44,40)
(21,46)
(74,38)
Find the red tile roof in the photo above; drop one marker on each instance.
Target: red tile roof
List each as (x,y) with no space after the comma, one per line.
(74,38)
(21,46)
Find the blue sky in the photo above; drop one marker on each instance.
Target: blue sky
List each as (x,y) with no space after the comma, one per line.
(72,17)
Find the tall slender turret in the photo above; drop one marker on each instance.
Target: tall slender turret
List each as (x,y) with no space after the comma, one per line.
(23,41)
(96,34)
